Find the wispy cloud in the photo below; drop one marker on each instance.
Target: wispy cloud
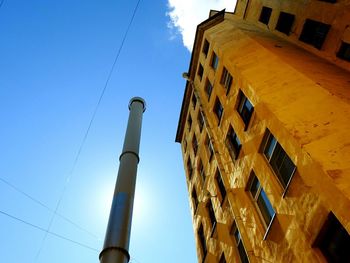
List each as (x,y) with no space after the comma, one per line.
(185,15)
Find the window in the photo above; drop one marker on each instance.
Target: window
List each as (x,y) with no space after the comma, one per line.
(200,71)
(261,199)
(210,149)
(334,241)
(222,258)
(226,80)
(189,121)
(238,241)
(194,101)
(218,110)
(205,47)
(314,33)
(344,51)
(194,144)
(233,144)
(285,23)
(265,15)
(195,200)
(200,120)
(279,161)
(202,241)
(189,168)
(212,217)
(201,170)
(214,61)
(221,185)
(244,108)
(208,88)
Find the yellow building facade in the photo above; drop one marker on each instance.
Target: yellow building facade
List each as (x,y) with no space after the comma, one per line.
(264,129)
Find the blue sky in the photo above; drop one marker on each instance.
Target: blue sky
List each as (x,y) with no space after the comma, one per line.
(55,59)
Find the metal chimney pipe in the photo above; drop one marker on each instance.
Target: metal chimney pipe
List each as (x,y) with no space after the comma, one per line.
(116,245)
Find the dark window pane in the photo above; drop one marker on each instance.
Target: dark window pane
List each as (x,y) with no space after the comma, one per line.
(202,241)
(233,143)
(245,108)
(226,80)
(265,15)
(200,71)
(254,187)
(314,33)
(221,185)
(189,168)
(194,144)
(265,207)
(285,23)
(270,146)
(222,259)
(205,47)
(194,100)
(335,241)
(211,215)
(208,89)
(218,110)
(242,253)
(195,199)
(189,121)
(214,61)
(344,51)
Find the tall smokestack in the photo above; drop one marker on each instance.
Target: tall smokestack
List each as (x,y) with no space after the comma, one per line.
(116,245)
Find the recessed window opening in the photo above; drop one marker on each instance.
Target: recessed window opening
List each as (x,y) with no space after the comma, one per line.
(285,23)
(239,244)
(261,199)
(202,240)
(218,110)
(189,168)
(195,200)
(194,101)
(212,217)
(244,108)
(233,144)
(189,121)
(314,33)
(205,47)
(200,71)
(280,162)
(210,149)
(265,15)
(226,80)
(200,120)
(334,241)
(214,61)
(208,88)
(221,185)
(344,51)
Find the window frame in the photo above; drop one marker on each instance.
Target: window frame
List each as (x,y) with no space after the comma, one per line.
(285,184)
(311,31)
(265,17)
(189,168)
(262,208)
(218,110)
(206,46)
(214,62)
(226,80)
(282,25)
(200,71)
(212,217)
(231,140)
(331,230)
(242,108)
(220,186)
(195,201)
(344,51)
(236,235)
(210,149)
(208,88)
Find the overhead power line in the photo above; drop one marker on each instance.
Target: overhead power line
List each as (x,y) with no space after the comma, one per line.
(47,207)
(89,126)
(49,232)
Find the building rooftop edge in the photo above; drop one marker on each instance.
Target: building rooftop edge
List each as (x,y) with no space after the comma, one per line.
(208,23)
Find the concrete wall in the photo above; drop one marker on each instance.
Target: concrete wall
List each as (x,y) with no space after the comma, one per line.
(305,102)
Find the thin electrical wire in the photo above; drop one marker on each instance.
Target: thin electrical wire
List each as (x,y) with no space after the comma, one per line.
(47,207)
(49,232)
(89,127)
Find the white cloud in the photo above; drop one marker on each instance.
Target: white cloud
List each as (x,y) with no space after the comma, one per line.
(185,15)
